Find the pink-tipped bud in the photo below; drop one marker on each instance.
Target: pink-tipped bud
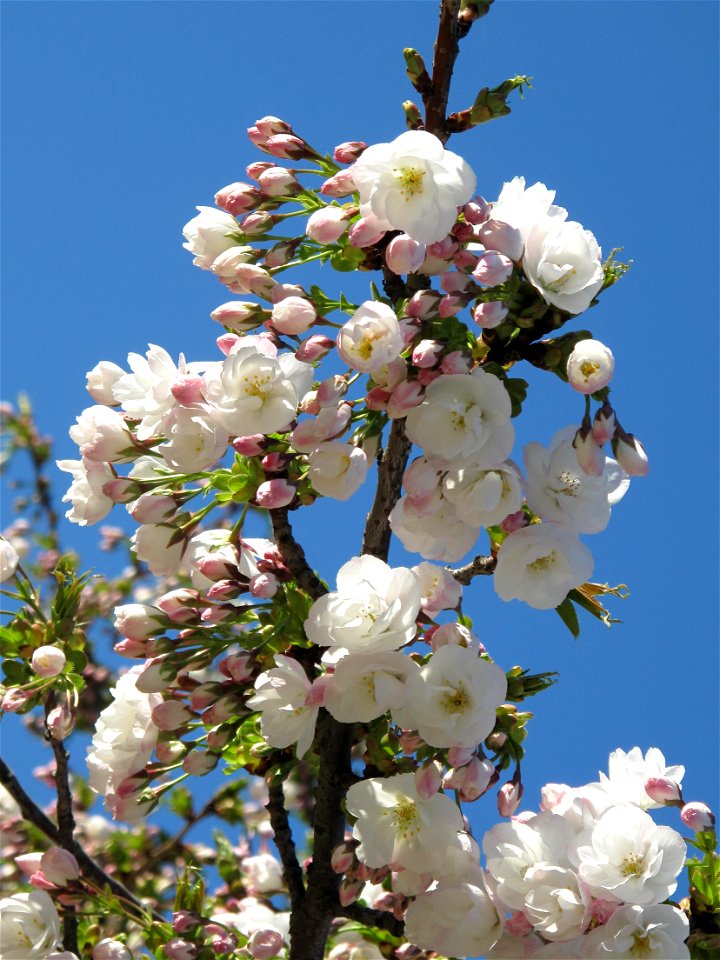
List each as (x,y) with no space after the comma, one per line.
(464,233)
(343,857)
(444,249)
(501,237)
(264,944)
(349,151)
(263,586)
(274,462)
(152,508)
(365,232)
(340,185)
(663,790)
(327,225)
(490,315)
(410,741)
(492,268)
(515,521)
(286,146)
(133,649)
(509,797)
(198,763)
(428,780)
(120,490)
(293,315)
(404,255)
(604,424)
(478,777)
(227,342)
(59,866)
(239,315)
(476,211)
(405,396)
(455,362)
(271,126)
(48,661)
(185,920)
(255,224)
(238,667)
(331,390)
(236,198)
(698,816)
(278,182)
(630,454)
(222,941)
(423,305)
(454,282)
(451,304)
(589,454)
(251,446)
(253,170)
(188,390)
(274,493)
(61,720)
(459,756)
(178,949)
(108,949)
(169,751)
(425,355)
(349,891)
(170,715)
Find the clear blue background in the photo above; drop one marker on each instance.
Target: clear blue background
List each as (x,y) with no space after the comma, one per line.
(120,117)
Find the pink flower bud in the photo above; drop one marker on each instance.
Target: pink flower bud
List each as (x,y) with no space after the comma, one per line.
(59,866)
(404,255)
(180,604)
(237,197)
(444,249)
(278,182)
(238,667)
(428,780)
(253,170)
(426,353)
(226,342)
(454,282)
(152,508)
(405,396)
(426,377)
(178,949)
(365,232)
(509,797)
(410,741)
(590,456)
(492,268)
(339,185)
(423,305)
(60,720)
(120,490)
(630,454)
(169,751)
(451,305)
(663,790)
(349,151)
(377,399)
(108,949)
(459,756)
(331,390)
(14,699)
(464,233)
(349,891)
(496,235)
(274,493)
(255,224)
(198,763)
(156,676)
(490,315)
(222,941)
(478,776)
(251,279)
(455,362)
(251,446)
(271,126)
(287,147)
(264,944)
(263,586)
(476,211)
(131,649)
(327,224)
(188,390)
(274,462)
(170,714)
(29,863)
(48,661)
(293,315)
(698,816)
(343,856)
(590,366)
(604,424)
(185,920)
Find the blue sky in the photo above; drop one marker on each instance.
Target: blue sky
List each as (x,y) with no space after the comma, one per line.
(120,117)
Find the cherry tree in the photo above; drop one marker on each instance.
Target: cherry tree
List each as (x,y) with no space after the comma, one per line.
(357,720)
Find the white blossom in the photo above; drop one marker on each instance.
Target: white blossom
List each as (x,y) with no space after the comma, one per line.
(440,589)
(656,932)
(628,773)
(395,826)
(562,260)
(371,338)
(464,416)
(124,739)
(101,380)
(432,528)
(209,234)
(85,494)
(374,608)
(554,904)
(193,440)
(540,564)
(280,695)
(483,496)
(453,918)
(413,184)
(365,685)
(102,434)
(8,560)
(590,366)
(337,470)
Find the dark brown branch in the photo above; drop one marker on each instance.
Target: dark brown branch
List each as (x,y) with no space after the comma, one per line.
(89,867)
(292,871)
(66,830)
(373,918)
(446,51)
(391,467)
(293,554)
(479,567)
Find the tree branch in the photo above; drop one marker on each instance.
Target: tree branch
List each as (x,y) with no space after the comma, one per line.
(373,918)
(445,54)
(478,567)
(293,554)
(376,540)
(90,868)
(284,842)
(66,830)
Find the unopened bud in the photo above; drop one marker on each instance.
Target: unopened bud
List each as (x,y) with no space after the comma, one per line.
(663,790)
(509,797)
(349,891)
(590,456)
(59,866)
(698,816)
(343,857)
(108,949)
(48,661)
(428,780)
(264,944)
(490,315)
(604,424)
(404,255)
(630,454)
(590,366)
(492,268)
(349,151)
(179,949)
(198,763)
(326,225)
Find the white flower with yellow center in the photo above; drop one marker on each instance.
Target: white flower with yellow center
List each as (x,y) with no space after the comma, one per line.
(365,685)
(371,338)
(455,918)
(657,932)
(562,260)
(413,184)
(396,827)
(483,496)
(29,926)
(280,696)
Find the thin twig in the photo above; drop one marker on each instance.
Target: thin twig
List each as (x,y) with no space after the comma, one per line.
(446,51)
(66,830)
(478,567)
(280,823)
(391,467)
(293,554)
(89,867)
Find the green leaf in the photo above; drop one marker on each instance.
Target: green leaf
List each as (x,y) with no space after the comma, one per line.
(568,615)
(15,673)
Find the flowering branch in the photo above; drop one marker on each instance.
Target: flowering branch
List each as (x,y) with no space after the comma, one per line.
(391,466)
(446,51)
(283,837)
(66,829)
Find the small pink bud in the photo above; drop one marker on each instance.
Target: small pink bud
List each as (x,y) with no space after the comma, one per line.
(293,315)
(222,942)
(349,151)
(663,790)
(188,390)
(60,720)
(514,521)
(459,756)
(464,233)
(331,391)
(404,255)
(237,197)
(604,424)
(179,605)
(170,714)
(185,920)
(278,182)
(478,776)
(476,211)
(169,751)
(131,649)
(264,944)
(698,816)
(455,362)
(253,170)
(271,126)
(152,508)
(238,667)
(423,305)
(349,891)
(428,780)
(29,863)
(178,949)
(590,456)
(263,586)
(365,232)
(509,797)
(377,399)
(274,462)
(326,225)
(343,857)
(339,185)
(59,866)
(120,490)
(250,446)
(287,147)
(426,377)
(492,268)
(274,493)
(217,739)
(410,741)
(198,763)
(405,396)
(454,282)
(426,353)
(48,661)
(451,304)
(499,236)
(630,454)
(255,224)
(108,949)
(444,249)
(490,315)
